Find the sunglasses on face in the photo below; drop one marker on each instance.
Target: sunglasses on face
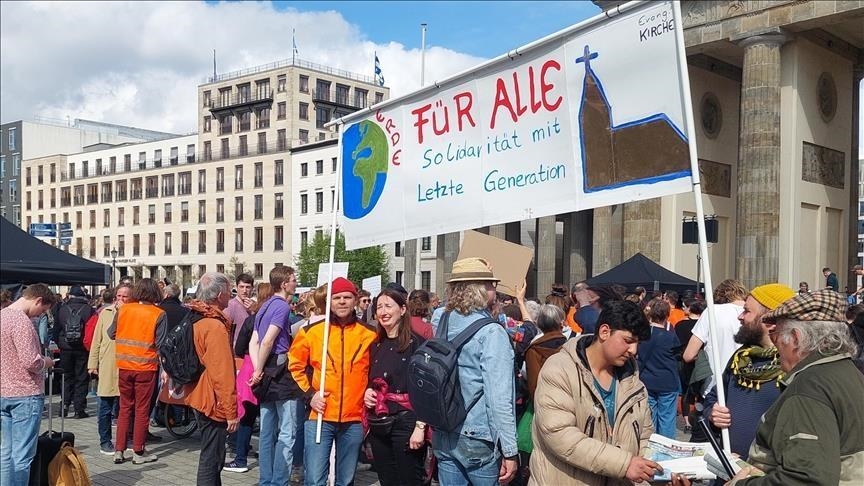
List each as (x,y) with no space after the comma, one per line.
(365,301)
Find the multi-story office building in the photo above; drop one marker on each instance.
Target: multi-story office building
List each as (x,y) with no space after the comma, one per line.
(21,140)
(222,200)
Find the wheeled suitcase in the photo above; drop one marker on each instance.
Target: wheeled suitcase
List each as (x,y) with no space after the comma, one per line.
(49,443)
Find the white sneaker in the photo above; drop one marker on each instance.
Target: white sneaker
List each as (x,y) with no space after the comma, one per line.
(143,458)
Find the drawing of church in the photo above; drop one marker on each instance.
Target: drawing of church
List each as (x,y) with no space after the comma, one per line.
(642,151)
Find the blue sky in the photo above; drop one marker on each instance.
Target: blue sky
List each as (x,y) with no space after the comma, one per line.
(482,29)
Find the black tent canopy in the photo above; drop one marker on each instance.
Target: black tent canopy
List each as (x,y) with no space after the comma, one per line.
(640,270)
(25,259)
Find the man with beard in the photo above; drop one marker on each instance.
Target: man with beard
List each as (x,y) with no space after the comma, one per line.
(750,377)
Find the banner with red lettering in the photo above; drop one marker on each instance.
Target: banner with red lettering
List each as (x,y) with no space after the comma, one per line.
(588,117)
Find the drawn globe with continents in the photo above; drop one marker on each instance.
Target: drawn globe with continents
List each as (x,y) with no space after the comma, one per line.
(364,172)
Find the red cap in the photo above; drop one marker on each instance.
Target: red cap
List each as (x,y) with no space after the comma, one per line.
(341,284)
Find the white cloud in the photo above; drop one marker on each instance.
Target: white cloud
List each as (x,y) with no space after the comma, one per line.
(140,63)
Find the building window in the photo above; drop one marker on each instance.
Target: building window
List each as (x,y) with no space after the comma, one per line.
(245,121)
(304,203)
(220,210)
(12,133)
(151,244)
(259,175)
(174,157)
(262,142)
(106,218)
(190,153)
(259,239)
(220,268)
(224,150)
(334,161)
(379,97)
(319,202)
(238,177)
(92,218)
(281,140)
(121,216)
(136,215)
(152,187)
(304,111)
(202,242)
(202,211)
(278,238)
(151,214)
(303,136)
(360,97)
(426,279)
(71,170)
(279,173)
(220,179)
(157,158)
(106,246)
(28,179)
(206,128)
(127,163)
(238,240)
(426,245)
(202,269)
(281,110)
(259,270)
(397,250)
(322,116)
(202,181)
(243,146)
(238,208)
(342,94)
(167,250)
(167,185)
(225,123)
(184,242)
(319,167)
(220,241)
(184,211)
(304,239)
(167,212)
(53,198)
(304,169)
(52,173)
(278,206)
(136,245)
(399,277)
(262,118)
(208,151)
(304,84)
(259,206)
(262,87)
(136,189)
(78,220)
(92,194)
(65,197)
(79,193)
(120,191)
(208,101)
(184,184)
(121,245)
(281,81)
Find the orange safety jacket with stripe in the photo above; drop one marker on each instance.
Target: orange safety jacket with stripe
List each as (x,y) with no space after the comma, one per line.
(135,336)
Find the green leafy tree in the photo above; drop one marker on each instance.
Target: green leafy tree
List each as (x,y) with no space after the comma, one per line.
(362,263)
(234,268)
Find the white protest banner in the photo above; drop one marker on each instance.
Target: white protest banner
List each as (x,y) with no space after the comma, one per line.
(587,117)
(372,285)
(340,269)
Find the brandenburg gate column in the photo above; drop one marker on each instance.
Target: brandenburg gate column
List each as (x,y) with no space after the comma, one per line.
(758,202)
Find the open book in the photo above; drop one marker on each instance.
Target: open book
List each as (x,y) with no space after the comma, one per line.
(684,458)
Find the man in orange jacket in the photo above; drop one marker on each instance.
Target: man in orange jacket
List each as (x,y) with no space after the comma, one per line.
(341,403)
(214,395)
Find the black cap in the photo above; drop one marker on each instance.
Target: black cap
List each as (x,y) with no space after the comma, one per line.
(77,291)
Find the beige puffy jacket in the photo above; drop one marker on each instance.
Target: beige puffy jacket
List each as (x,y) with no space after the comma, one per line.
(573,443)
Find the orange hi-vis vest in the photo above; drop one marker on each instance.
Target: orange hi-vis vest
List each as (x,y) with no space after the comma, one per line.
(136,337)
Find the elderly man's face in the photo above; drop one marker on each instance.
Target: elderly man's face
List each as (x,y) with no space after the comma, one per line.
(787,347)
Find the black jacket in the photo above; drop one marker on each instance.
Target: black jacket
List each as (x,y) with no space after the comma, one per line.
(61,319)
(174,311)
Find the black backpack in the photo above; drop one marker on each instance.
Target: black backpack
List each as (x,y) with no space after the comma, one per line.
(433,377)
(73,331)
(177,352)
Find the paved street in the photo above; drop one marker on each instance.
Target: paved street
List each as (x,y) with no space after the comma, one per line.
(177,464)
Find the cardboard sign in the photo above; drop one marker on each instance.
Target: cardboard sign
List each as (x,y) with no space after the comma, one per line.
(372,285)
(340,269)
(509,261)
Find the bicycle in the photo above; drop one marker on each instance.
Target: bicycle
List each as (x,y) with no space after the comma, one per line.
(179,420)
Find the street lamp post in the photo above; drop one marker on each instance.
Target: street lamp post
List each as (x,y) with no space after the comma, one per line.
(113,264)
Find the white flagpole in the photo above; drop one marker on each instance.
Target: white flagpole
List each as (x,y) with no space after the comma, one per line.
(330,278)
(716,365)
(418,270)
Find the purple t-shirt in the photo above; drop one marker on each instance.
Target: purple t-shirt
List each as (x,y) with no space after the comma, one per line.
(275,313)
(237,314)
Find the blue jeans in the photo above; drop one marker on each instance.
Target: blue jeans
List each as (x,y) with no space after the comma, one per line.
(299,442)
(463,460)
(19,432)
(276,441)
(316,459)
(107,412)
(663,412)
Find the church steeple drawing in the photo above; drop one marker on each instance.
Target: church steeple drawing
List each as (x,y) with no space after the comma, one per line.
(641,151)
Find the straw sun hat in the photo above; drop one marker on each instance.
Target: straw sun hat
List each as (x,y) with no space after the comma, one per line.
(472,269)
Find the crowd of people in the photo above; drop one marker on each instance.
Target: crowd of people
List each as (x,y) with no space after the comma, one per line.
(563,389)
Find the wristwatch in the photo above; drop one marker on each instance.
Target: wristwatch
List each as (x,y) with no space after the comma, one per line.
(420,425)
